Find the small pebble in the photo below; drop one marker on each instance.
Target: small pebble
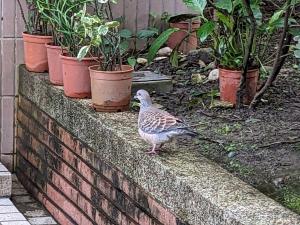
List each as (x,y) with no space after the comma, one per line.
(232,154)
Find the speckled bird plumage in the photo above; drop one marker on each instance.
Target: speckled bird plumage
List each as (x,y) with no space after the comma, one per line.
(157,126)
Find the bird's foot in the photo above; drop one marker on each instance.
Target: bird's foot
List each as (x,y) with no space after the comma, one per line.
(153,151)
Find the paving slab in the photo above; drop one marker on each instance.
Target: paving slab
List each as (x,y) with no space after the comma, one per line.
(30,208)
(5,181)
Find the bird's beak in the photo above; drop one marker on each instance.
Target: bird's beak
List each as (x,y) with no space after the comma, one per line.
(135,97)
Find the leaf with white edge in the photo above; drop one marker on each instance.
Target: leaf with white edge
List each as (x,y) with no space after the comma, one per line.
(297,54)
(83,52)
(102,30)
(276,16)
(159,42)
(197,5)
(112,24)
(205,30)
(224,4)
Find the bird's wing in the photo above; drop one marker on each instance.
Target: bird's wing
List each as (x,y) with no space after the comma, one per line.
(154,121)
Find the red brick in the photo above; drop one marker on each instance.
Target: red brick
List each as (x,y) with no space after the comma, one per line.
(78,165)
(57,214)
(67,206)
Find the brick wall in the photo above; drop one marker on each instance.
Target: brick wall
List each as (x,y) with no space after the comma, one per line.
(11,48)
(73,183)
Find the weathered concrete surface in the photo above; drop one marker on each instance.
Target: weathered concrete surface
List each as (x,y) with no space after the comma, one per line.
(194,188)
(5,181)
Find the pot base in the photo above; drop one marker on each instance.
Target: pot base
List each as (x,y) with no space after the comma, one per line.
(79,95)
(56,83)
(101,108)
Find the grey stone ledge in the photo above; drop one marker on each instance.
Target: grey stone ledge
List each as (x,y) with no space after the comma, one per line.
(197,190)
(5,181)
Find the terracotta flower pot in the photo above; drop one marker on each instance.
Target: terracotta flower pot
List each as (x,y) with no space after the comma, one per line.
(76,76)
(111,90)
(190,43)
(54,62)
(230,81)
(35,53)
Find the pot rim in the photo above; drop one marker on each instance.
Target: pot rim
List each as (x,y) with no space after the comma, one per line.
(128,70)
(64,56)
(36,35)
(187,22)
(50,45)
(236,70)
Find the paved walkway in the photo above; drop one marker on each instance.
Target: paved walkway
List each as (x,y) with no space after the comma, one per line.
(22,209)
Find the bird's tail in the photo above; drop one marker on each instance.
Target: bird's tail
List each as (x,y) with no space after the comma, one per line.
(191,133)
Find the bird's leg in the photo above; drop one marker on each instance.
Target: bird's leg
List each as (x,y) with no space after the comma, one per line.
(153,150)
(159,147)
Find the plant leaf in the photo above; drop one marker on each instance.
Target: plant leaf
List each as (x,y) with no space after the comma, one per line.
(227,20)
(197,5)
(83,52)
(131,61)
(125,33)
(205,30)
(159,42)
(174,56)
(297,54)
(145,34)
(224,4)
(124,46)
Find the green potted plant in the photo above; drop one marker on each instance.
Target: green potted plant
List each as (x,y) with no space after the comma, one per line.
(35,37)
(110,80)
(186,36)
(76,78)
(241,36)
(58,13)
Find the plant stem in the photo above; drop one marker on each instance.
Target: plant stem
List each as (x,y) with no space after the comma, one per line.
(282,49)
(23,16)
(240,92)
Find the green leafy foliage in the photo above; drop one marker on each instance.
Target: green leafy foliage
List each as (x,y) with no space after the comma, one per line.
(197,5)
(206,30)
(159,42)
(132,61)
(230,31)
(36,22)
(224,4)
(125,33)
(147,33)
(83,52)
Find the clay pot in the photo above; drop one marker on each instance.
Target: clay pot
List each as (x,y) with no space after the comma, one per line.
(54,62)
(111,90)
(76,76)
(35,53)
(230,82)
(190,43)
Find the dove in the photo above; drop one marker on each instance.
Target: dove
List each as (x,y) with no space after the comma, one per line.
(157,126)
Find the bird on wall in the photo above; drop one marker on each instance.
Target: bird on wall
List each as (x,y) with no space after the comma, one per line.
(157,126)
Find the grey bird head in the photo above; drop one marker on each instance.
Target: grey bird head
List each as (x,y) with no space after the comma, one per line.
(144,97)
